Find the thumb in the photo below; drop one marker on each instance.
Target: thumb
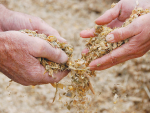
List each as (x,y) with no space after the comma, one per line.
(45,50)
(38,47)
(124,32)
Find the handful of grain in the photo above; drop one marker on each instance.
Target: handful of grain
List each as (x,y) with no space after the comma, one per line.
(52,67)
(80,73)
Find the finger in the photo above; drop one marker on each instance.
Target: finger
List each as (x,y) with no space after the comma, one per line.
(115,23)
(87,33)
(109,15)
(43,27)
(52,32)
(40,77)
(24,21)
(136,47)
(124,32)
(46,78)
(60,75)
(125,58)
(115,63)
(116,56)
(38,47)
(41,48)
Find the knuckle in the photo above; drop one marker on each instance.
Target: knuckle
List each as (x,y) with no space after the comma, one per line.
(134,49)
(112,15)
(136,52)
(119,35)
(113,59)
(131,49)
(41,46)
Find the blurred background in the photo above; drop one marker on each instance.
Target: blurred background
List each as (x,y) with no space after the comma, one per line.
(124,88)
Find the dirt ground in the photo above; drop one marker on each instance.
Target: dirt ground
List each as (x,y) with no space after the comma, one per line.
(124,88)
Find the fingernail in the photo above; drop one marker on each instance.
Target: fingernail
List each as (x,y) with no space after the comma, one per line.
(110,37)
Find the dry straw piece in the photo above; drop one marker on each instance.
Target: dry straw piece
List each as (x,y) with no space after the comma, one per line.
(80,73)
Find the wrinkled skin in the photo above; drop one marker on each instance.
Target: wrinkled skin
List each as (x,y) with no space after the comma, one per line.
(138,30)
(19,52)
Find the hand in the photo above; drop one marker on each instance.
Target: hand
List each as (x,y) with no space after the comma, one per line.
(11,20)
(18,61)
(139,42)
(19,52)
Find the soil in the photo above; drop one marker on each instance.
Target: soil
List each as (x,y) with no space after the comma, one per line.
(124,88)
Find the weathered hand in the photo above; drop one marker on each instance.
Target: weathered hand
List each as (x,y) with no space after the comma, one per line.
(115,17)
(11,20)
(138,45)
(19,52)
(138,30)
